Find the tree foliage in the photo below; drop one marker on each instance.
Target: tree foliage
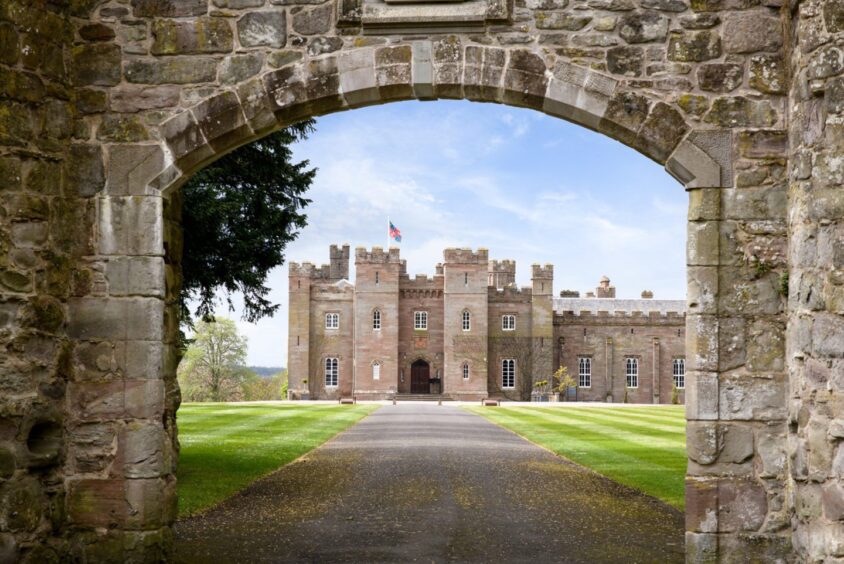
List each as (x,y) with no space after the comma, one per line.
(239,214)
(259,388)
(212,368)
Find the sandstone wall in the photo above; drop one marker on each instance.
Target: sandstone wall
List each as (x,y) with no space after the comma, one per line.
(815,351)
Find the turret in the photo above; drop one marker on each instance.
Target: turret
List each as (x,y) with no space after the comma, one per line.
(604,289)
(339,267)
(543,279)
(502,273)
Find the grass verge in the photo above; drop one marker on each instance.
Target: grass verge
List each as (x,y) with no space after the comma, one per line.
(225,447)
(641,447)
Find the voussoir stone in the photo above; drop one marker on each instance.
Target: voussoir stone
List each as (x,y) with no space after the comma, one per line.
(257,29)
(643,28)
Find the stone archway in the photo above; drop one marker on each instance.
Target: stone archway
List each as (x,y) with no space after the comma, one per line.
(156,89)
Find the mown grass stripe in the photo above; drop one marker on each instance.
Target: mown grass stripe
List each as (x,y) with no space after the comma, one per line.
(226,447)
(667,425)
(614,425)
(653,464)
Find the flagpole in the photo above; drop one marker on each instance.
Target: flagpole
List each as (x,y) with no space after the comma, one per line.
(387,248)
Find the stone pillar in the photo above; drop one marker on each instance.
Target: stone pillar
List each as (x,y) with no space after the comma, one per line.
(609,366)
(300,277)
(542,322)
(815,336)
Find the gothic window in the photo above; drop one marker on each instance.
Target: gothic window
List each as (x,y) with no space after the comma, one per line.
(467,320)
(465,370)
(376,320)
(332,372)
(508,373)
(332,320)
(376,370)
(632,372)
(584,372)
(508,322)
(680,373)
(420,320)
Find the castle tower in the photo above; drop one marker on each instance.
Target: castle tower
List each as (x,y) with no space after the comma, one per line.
(466,281)
(377,274)
(542,322)
(299,322)
(502,273)
(339,266)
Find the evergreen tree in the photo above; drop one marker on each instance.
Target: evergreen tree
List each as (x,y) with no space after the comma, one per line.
(239,214)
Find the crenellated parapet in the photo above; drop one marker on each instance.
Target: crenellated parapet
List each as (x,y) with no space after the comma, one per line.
(510,294)
(542,272)
(466,256)
(378,255)
(502,273)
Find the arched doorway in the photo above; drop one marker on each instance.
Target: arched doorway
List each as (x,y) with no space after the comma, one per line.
(420,377)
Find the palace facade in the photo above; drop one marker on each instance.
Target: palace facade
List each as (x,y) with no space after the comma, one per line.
(469,332)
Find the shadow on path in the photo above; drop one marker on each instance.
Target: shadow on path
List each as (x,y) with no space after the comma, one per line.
(428,483)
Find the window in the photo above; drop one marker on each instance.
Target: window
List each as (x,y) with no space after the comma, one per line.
(331,372)
(508,322)
(332,320)
(376,320)
(465,278)
(376,370)
(420,320)
(632,370)
(467,321)
(377,278)
(465,370)
(584,372)
(508,373)
(680,373)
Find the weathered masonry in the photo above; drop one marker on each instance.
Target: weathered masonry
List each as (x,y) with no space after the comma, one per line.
(106,107)
(468,332)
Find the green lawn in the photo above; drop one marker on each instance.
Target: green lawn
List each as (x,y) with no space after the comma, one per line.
(225,447)
(642,447)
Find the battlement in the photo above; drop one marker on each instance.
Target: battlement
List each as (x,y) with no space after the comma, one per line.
(502,273)
(421,282)
(620,308)
(509,294)
(544,272)
(377,256)
(466,256)
(506,265)
(309,270)
(620,317)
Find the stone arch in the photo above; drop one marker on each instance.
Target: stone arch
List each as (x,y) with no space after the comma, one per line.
(93,154)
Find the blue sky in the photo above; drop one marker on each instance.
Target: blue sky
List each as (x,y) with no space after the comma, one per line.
(524,185)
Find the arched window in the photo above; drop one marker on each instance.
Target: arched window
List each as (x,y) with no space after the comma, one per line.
(632,372)
(465,370)
(508,322)
(332,372)
(376,370)
(467,320)
(332,320)
(376,320)
(508,373)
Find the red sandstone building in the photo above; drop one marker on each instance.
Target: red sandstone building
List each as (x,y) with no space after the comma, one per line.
(469,332)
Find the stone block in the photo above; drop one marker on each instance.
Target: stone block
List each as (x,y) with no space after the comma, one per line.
(131,98)
(93,446)
(145,399)
(720,77)
(702,342)
(767,74)
(143,451)
(238,68)
(766,346)
(751,32)
(828,335)
(661,132)
(422,69)
(121,128)
(203,35)
(703,243)
(694,46)
(746,397)
(172,70)
(263,29)
(169,8)
(626,61)
(771,451)
(742,505)
(21,505)
(144,360)
(116,318)
(186,141)
(221,120)
(96,64)
(525,81)
(135,276)
(701,396)
(357,77)
(84,170)
(560,20)
(701,505)
(131,225)
(131,168)
(701,548)
(256,105)
(644,27)
(314,21)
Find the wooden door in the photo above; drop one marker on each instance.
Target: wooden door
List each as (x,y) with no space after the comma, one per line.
(419,376)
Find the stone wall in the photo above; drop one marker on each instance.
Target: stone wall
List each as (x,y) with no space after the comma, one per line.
(108,106)
(815,339)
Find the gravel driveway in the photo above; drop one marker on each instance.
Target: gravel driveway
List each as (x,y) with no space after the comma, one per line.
(429,483)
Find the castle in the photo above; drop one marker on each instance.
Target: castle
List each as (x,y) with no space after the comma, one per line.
(470,333)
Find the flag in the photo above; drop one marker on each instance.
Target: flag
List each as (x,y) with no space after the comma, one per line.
(395,234)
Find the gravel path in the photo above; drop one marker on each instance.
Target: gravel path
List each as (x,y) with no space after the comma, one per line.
(428,483)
